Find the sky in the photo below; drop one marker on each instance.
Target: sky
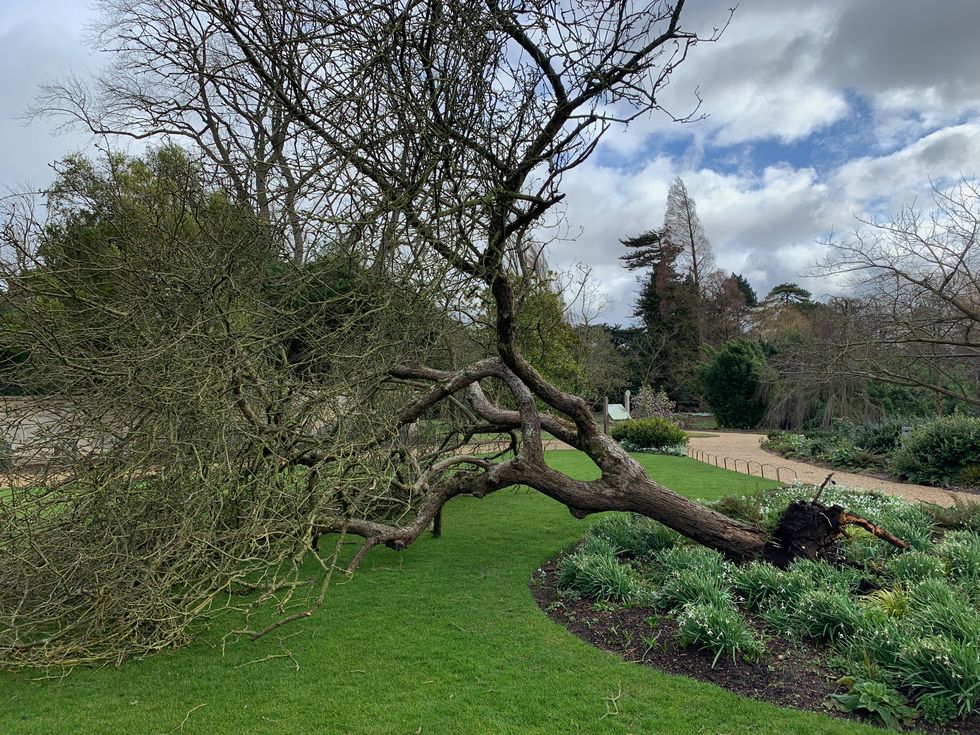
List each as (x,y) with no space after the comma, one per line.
(816,114)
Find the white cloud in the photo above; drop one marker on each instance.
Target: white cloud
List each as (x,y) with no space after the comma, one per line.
(767,225)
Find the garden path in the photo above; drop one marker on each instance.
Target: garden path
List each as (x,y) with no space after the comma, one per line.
(744,446)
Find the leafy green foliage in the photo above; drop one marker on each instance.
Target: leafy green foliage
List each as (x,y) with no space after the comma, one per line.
(718,629)
(633,534)
(655,433)
(598,576)
(937,452)
(877,699)
(690,586)
(943,668)
(937,710)
(826,615)
(683,557)
(757,583)
(914,566)
(732,381)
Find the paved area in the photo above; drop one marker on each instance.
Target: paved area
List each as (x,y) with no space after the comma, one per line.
(746,447)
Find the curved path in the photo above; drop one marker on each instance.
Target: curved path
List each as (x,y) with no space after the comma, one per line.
(746,446)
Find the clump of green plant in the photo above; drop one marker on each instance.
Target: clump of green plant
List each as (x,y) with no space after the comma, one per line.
(937,710)
(654,434)
(758,582)
(691,586)
(970,475)
(937,608)
(959,551)
(893,602)
(704,561)
(720,630)
(635,535)
(746,508)
(598,576)
(937,452)
(943,669)
(884,436)
(826,615)
(877,699)
(914,566)
(878,640)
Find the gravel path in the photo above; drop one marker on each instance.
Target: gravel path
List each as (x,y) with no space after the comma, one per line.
(746,447)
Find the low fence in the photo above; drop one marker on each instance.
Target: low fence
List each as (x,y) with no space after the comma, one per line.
(745,466)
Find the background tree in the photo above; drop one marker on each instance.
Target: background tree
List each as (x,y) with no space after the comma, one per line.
(683,229)
(665,347)
(788,293)
(751,299)
(733,380)
(915,321)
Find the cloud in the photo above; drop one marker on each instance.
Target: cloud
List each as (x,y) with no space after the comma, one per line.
(33,52)
(768,225)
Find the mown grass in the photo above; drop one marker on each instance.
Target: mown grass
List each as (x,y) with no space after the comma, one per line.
(441,638)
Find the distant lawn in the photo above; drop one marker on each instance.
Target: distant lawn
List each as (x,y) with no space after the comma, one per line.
(441,638)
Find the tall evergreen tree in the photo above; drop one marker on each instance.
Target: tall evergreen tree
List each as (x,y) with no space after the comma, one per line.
(751,298)
(683,229)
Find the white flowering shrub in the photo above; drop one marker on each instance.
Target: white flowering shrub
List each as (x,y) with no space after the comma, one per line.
(651,404)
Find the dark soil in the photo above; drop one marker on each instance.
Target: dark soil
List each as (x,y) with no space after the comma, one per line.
(790,675)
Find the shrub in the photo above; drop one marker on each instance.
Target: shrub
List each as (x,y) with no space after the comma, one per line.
(719,630)
(884,436)
(970,475)
(937,452)
(649,434)
(630,533)
(732,380)
(651,404)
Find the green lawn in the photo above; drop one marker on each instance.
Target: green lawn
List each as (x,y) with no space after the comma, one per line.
(441,638)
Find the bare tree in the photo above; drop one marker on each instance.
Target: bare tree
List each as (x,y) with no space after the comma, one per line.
(914,320)
(275,419)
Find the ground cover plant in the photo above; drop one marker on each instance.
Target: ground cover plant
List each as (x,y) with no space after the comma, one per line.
(443,636)
(901,628)
(942,452)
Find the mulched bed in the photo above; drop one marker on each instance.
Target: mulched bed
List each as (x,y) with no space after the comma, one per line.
(791,675)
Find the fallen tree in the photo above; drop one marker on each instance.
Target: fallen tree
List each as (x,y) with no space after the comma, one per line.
(244,408)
